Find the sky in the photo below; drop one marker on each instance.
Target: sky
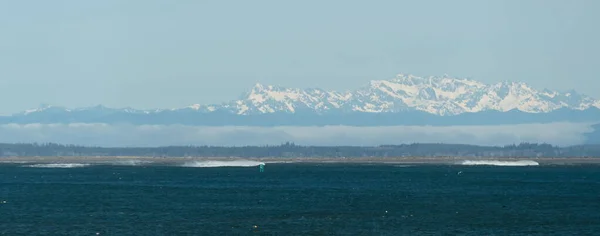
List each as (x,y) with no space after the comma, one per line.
(164,54)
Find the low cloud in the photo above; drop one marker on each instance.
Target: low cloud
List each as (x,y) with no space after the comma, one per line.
(161,135)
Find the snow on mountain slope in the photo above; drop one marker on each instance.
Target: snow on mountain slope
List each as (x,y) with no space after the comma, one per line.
(440,95)
(45,108)
(451,96)
(443,95)
(271,99)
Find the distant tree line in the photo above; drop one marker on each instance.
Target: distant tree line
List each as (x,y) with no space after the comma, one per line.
(291,150)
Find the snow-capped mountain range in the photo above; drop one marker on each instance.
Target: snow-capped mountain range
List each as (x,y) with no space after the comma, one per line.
(439,95)
(436,95)
(403,100)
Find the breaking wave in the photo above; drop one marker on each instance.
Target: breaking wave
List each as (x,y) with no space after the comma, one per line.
(501,163)
(237,163)
(131,162)
(59,165)
(403,166)
(15,162)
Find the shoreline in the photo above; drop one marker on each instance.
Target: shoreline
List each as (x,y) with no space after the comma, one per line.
(317,160)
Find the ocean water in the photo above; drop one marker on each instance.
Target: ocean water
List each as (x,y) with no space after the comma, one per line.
(299,199)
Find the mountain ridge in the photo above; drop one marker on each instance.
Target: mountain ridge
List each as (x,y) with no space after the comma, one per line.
(436,95)
(439,95)
(402,100)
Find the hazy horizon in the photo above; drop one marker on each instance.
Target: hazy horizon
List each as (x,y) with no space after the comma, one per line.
(561,134)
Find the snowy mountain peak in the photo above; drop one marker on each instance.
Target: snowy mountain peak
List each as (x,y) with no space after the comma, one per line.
(271,99)
(439,95)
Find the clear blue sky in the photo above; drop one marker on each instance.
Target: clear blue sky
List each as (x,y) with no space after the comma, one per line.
(149,54)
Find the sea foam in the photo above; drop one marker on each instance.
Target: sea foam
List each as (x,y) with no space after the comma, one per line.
(501,163)
(59,165)
(236,163)
(130,162)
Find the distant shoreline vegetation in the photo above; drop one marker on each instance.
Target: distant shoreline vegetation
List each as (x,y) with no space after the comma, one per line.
(291,150)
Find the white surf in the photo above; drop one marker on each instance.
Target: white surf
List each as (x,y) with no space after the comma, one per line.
(131,162)
(500,163)
(59,165)
(236,163)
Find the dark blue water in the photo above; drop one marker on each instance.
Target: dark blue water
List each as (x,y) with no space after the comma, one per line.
(300,199)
